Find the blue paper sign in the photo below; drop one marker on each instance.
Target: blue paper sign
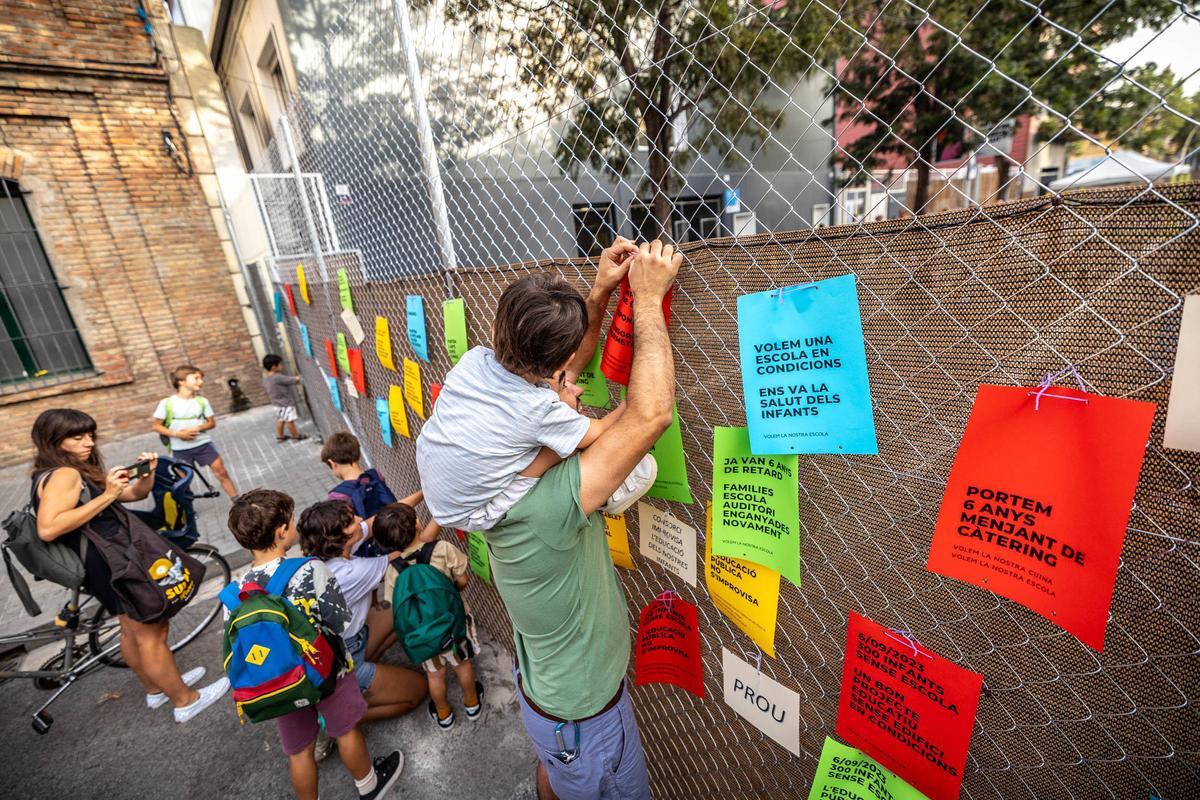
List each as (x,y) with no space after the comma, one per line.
(732,199)
(305,340)
(804,370)
(278,308)
(415,305)
(385,420)
(334,394)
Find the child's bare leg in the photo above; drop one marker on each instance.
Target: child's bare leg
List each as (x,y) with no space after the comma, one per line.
(437,691)
(546,458)
(352,748)
(278,430)
(466,679)
(302,769)
(218,468)
(291,426)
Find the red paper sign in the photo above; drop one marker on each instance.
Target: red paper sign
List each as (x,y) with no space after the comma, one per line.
(434,390)
(906,707)
(356,369)
(618,346)
(287,291)
(1038,501)
(333,369)
(668,645)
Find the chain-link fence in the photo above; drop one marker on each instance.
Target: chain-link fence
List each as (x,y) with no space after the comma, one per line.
(451,147)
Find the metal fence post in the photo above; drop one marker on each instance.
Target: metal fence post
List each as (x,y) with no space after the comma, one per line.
(313,235)
(429,158)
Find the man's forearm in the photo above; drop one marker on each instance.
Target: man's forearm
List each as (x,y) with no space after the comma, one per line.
(652,377)
(597,305)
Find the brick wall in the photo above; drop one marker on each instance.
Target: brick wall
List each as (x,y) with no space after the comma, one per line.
(83,106)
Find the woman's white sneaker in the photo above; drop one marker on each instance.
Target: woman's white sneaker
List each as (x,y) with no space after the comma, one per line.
(208,695)
(190,678)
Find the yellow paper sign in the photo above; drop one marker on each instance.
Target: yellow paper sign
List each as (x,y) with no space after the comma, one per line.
(300,279)
(412,387)
(745,592)
(618,541)
(383,343)
(396,411)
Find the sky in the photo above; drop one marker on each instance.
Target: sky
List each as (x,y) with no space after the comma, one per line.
(1176,46)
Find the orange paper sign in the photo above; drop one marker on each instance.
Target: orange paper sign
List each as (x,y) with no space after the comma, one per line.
(1038,500)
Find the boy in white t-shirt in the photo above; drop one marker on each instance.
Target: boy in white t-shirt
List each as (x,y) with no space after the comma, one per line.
(184,419)
(500,421)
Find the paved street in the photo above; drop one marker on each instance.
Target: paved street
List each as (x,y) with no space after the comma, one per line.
(106,743)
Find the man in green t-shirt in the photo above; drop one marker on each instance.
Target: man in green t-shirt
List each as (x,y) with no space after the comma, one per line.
(551,565)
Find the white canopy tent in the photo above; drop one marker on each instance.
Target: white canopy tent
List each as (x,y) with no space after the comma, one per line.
(1117,168)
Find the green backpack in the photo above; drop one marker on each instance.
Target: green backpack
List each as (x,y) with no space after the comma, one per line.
(427,611)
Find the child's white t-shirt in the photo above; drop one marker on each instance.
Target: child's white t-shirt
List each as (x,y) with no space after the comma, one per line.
(486,427)
(185,413)
(356,577)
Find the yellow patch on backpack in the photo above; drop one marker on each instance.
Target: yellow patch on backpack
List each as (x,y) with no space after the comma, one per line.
(257,655)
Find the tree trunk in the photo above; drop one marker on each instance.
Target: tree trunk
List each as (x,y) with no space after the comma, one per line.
(658,168)
(658,125)
(921,195)
(1003,170)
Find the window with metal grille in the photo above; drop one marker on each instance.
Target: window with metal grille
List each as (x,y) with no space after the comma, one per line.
(595,227)
(38,337)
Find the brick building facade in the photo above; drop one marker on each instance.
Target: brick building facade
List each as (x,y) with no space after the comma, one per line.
(88,102)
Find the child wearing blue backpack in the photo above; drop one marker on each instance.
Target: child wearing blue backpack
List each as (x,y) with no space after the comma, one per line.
(293,675)
(363,489)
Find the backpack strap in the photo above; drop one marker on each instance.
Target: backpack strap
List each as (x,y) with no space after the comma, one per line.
(286,570)
(425,554)
(229,595)
(17,581)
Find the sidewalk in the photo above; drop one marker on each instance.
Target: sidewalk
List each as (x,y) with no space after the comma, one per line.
(106,743)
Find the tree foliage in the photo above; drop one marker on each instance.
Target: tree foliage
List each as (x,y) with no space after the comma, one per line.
(915,81)
(629,72)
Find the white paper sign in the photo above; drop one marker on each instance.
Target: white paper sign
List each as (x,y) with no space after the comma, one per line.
(772,708)
(1182,431)
(668,541)
(354,326)
(350,390)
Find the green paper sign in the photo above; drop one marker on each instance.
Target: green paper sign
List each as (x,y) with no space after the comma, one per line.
(477,553)
(845,773)
(343,357)
(344,290)
(672,481)
(755,514)
(591,380)
(454,320)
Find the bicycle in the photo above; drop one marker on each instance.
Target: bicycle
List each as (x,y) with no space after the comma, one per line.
(91,637)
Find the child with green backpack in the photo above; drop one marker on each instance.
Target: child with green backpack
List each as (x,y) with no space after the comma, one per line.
(283,650)
(430,618)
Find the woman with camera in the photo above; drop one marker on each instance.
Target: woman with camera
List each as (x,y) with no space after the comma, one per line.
(76,499)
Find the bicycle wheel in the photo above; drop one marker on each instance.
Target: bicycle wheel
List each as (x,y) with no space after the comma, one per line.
(105,632)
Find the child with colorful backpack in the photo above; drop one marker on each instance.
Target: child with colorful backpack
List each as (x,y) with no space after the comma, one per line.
(430,618)
(283,652)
